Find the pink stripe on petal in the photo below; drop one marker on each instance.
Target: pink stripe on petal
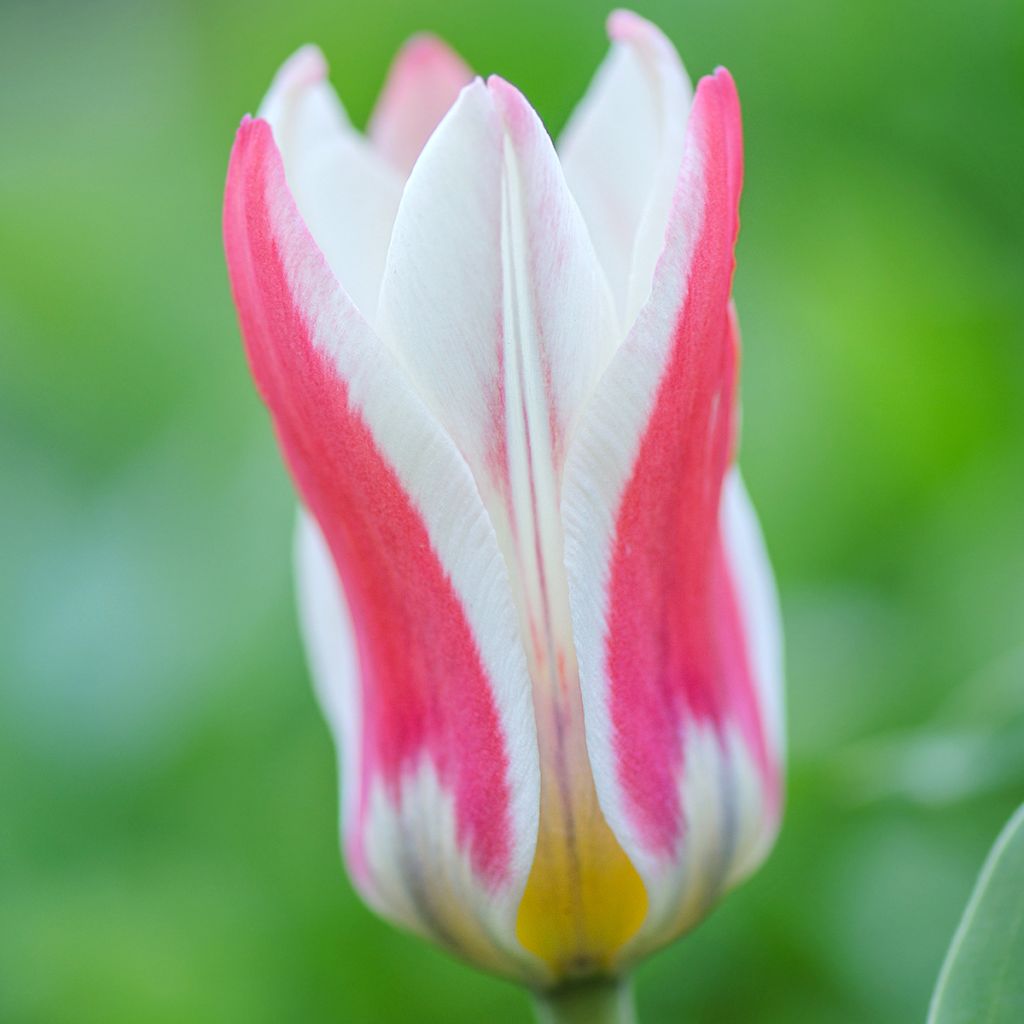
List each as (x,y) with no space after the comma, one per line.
(425,692)
(675,649)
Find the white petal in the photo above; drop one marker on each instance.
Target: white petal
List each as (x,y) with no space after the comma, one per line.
(759,604)
(622,150)
(494,300)
(331,652)
(346,192)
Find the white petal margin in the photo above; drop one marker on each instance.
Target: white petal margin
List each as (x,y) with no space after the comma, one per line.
(347,193)
(622,150)
(331,652)
(758,605)
(440,487)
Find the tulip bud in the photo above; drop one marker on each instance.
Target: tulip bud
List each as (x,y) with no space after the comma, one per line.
(534,593)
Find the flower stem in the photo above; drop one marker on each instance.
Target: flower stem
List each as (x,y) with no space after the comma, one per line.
(598,1001)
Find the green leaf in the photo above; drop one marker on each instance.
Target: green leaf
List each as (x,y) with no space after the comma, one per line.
(982,979)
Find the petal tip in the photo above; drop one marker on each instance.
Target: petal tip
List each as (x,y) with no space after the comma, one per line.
(424,50)
(623,24)
(723,75)
(303,70)
(251,126)
(719,86)
(305,66)
(422,85)
(518,115)
(626,26)
(475,90)
(504,93)
(650,44)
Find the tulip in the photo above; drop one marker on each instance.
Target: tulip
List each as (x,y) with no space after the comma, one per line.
(533,590)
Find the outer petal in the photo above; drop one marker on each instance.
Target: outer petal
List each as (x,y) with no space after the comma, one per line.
(622,150)
(347,194)
(677,706)
(443,816)
(423,83)
(494,300)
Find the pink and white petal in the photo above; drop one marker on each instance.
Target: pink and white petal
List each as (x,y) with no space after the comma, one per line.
(622,150)
(443,826)
(301,106)
(496,305)
(423,83)
(677,738)
(346,192)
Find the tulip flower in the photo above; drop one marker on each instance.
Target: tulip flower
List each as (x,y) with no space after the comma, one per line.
(533,590)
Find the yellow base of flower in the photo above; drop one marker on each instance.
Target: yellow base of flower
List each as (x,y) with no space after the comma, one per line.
(584,899)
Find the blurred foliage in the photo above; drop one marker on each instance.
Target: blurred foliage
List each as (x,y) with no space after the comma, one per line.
(167,812)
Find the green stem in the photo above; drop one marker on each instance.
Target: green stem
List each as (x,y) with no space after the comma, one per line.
(598,1001)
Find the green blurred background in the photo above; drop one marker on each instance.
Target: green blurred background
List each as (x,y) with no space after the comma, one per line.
(167,787)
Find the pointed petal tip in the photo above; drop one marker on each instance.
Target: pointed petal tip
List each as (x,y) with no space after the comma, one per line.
(624,26)
(251,125)
(718,84)
(422,84)
(304,70)
(623,23)
(474,91)
(424,49)
(304,67)
(511,104)
(723,76)
(719,88)
(717,99)
(651,45)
